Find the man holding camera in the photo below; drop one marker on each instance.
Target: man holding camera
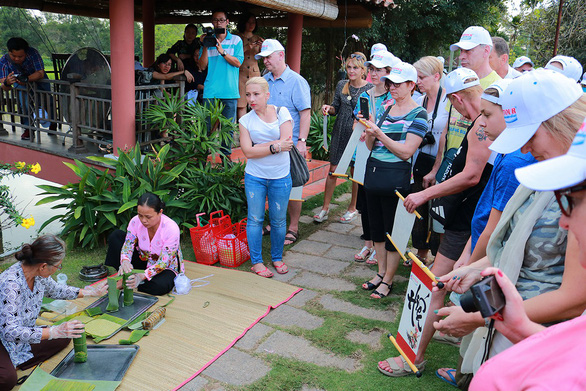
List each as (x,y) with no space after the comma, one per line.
(21,65)
(221,54)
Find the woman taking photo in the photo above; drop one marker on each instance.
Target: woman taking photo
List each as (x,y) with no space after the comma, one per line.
(392,138)
(151,243)
(345,99)
(251,43)
(22,288)
(266,139)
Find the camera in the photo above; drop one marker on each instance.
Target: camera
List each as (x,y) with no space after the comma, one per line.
(209,41)
(428,139)
(485,296)
(21,78)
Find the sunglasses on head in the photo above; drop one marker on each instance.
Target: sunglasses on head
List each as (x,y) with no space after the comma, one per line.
(565,201)
(358,57)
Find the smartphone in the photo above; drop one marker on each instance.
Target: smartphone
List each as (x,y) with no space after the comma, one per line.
(364,109)
(485,296)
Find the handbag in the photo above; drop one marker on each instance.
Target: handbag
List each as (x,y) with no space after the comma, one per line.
(423,164)
(382,179)
(298,168)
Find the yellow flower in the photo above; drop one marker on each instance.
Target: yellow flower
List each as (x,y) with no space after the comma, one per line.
(20,165)
(36,168)
(27,223)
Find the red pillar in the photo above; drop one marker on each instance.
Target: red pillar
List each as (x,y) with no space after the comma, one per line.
(148,32)
(122,63)
(294,36)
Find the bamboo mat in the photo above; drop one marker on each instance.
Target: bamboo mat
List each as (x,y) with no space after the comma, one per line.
(199,327)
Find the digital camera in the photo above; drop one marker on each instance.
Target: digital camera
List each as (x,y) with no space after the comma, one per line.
(209,41)
(485,296)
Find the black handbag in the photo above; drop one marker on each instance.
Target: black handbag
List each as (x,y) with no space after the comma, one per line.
(382,179)
(298,168)
(423,164)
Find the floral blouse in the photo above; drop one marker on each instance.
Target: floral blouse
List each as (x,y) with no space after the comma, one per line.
(161,253)
(20,307)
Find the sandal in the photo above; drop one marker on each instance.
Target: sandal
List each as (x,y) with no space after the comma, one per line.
(363,254)
(398,371)
(281,269)
(348,216)
(372,260)
(292,237)
(370,286)
(382,295)
(452,377)
(266,273)
(321,216)
(448,340)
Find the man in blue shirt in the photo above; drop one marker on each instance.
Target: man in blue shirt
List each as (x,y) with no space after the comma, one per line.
(222,63)
(21,65)
(289,89)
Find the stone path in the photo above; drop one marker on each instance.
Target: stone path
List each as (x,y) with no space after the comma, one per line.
(321,264)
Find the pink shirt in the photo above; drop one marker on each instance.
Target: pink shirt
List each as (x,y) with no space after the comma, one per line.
(161,253)
(553,359)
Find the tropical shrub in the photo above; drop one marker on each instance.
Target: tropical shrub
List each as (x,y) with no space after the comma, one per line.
(315,139)
(13,215)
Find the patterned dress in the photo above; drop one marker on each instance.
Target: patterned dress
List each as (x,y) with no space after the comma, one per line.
(20,307)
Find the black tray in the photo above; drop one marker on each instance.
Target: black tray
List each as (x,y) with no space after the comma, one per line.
(141,303)
(104,362)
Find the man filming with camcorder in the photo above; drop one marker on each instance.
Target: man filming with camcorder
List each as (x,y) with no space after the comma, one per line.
(221,54)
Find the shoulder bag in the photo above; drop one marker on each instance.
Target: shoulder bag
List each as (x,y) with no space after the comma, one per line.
(425,161)
(297,165)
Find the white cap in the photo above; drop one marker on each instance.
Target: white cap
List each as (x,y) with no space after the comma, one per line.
(460,79)
(472,37)
(377,47)
(571,67)
(521,61)
(443,60)
(269,46)
(560,172)
(501,87)
(529,100)
(401,73)
(584,79)
(382,59)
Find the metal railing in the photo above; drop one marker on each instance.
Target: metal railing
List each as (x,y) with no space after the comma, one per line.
(77,111)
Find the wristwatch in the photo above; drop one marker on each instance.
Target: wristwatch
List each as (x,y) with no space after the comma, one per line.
(303,140)
(223,54)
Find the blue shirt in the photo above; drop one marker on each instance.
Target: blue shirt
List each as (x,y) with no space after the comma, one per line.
(222,79)
(32,63)
(499,189)
(292,91)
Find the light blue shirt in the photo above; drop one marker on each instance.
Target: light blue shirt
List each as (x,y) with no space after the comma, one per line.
(222,79)
(292,91)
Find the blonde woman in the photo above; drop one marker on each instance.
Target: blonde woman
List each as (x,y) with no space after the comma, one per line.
(345,98)
(266,139)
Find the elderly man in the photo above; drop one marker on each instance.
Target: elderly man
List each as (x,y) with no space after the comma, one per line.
(499,59)
(289,89)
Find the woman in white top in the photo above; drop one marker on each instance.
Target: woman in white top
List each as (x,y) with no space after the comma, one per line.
(266,139)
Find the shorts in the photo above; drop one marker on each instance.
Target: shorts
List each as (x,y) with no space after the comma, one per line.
(453,243)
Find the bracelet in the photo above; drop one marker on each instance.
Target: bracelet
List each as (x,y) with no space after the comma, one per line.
(272,149)
(279,144)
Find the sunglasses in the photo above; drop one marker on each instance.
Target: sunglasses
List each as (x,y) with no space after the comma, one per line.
(392,83)
(565,201)
(358,57)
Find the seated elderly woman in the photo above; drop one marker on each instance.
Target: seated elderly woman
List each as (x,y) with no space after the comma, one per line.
(150,243)
(22,288)
(551,358)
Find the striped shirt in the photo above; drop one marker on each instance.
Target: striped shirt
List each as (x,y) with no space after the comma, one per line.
(32,63)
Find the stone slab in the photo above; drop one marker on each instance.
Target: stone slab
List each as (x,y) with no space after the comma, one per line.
(304,219)
(253,336)
(314,264)
(372,339)
(344,197)
(341,253)
(237,368)
(285,277)
(298,348)
(319,282)
(361,270)
(196,384)
(331,303)
(301,298)
(337,238)
(287,316)
(310,247)
(339,227)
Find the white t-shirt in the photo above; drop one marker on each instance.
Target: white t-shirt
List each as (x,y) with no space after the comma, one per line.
(438,124)
(272,166)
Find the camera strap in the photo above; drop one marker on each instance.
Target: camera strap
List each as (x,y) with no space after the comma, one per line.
(434,114)
(488,342)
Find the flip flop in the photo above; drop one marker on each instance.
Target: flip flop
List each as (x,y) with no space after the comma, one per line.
(266,273)
(450,373)
(397,370)
(282,269)
(291,236)
(348,216)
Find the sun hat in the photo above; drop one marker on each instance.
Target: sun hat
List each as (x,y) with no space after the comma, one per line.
(529,100)
(570,66)
(382,59)
(501,87)
(472,37)
(401,73)
(269,46)
(560,172)
(377,47)
(460,79)
(521,61)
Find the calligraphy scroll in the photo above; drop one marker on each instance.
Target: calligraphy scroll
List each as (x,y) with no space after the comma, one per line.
(296,194)
(349,151)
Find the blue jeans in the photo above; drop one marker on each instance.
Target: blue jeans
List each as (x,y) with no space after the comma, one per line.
(257,190)
(229,111)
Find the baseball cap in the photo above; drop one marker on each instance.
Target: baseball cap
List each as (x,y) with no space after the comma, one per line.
(377,47)
(269,46)
(401,73)
(522,60)
(472,37)
(460,79)
(570,66)
(382,59)
(501,87)
(529,100)
(560,172)
(583,82)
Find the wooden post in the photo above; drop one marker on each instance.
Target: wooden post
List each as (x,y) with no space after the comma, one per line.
(557,29)
(148,32)
(294,38)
